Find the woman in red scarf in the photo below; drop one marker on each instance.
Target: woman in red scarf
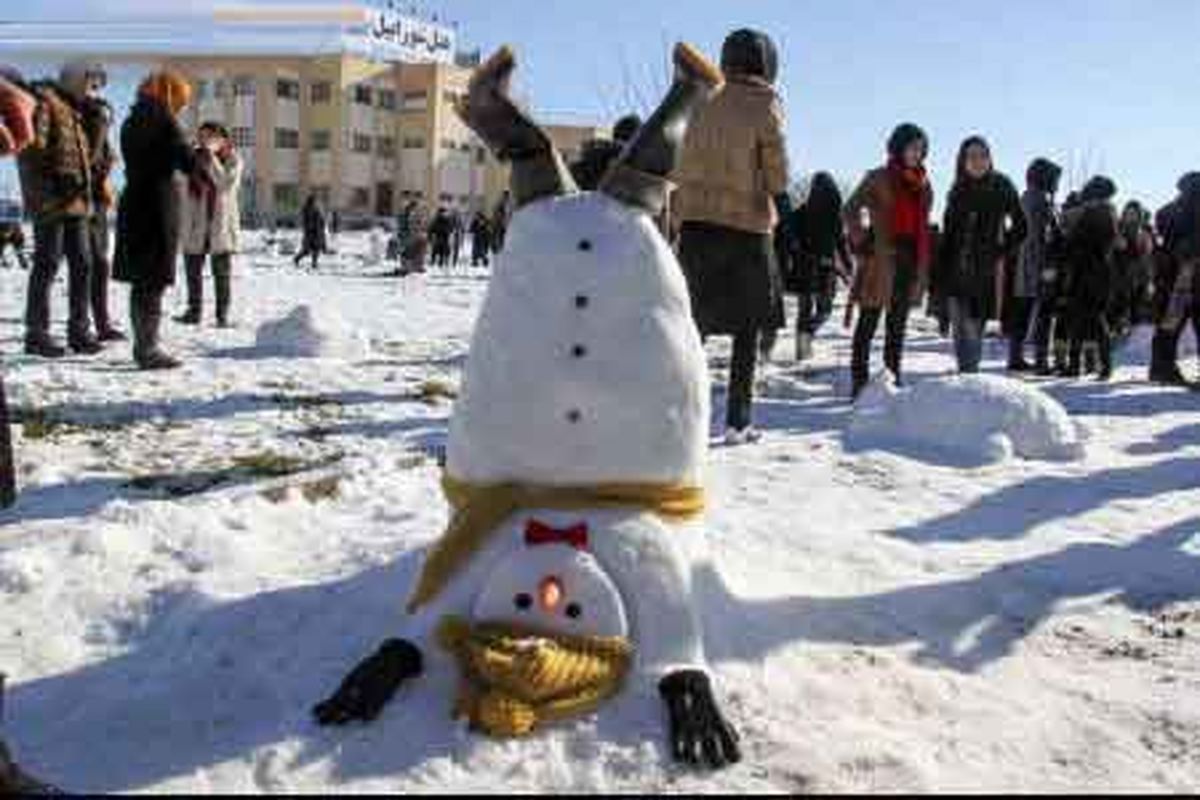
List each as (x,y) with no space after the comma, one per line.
(887,219)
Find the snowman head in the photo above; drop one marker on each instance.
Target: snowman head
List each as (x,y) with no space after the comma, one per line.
(586,366)
(553,586)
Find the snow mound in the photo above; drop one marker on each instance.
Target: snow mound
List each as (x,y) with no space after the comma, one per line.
(308,332)
(966,419)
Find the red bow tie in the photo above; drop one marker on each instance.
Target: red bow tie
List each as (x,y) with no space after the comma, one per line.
(539,533)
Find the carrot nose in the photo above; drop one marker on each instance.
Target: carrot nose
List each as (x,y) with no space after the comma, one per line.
(550,594)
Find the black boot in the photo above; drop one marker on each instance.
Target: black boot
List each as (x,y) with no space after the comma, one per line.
(84,344)
(194,267)
(639,177)
(1164,369)
(44,347)
(146,312)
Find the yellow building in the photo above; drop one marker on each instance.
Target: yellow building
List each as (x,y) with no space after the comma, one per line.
(351,102)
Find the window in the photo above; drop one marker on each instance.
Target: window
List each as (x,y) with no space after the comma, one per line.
(201,91)
(321,93)
(414,143)
(220,88)
(360,198)
(286,89)
(287,139)
(323,195)
(287,197)
(243,86)
(362,95)
(450,97)
(361,143)
(320,141)
(243,138)
(387,99)
(415,101)
(387,147)
(448,144)
(481,156)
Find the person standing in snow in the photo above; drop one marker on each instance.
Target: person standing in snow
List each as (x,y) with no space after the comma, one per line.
(56,181)
(97,121)
(887,218)
(457,234)
(1132,270)
(211,222)
(313,242)
(1177,280)
(733,182)
(821,256)
(481,240)
(1034,277)
(984,226)
(441,233)
(1091,236)
(500,220)
(155,150)
(17,108)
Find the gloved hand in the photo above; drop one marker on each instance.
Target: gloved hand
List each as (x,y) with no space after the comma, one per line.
(371,685)
(700,735)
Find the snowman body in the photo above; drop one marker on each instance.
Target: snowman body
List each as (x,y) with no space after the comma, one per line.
(585,369)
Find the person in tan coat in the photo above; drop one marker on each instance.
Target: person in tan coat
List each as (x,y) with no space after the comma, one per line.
(732,193)
(887,219)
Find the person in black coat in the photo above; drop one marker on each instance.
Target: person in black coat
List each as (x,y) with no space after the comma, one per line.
(313,240)
(481,240)
(599,154)
(1091,237)
(984,227)
(821,255)
(148,217)
(441,230)
(1177,280)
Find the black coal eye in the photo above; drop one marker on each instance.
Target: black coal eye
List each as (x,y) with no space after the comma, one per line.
(523,601)
(574,611)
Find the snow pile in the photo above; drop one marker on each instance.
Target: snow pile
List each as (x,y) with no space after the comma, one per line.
(309,332)
(970,419)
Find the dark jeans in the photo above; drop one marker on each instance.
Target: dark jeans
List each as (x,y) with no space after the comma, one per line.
(101,273)
(305,253)
(897,323)
(740,402)
(1021,311)
(53,239)
(222,268)
(1091,327)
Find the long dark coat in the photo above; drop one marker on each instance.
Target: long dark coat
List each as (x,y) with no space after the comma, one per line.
(312,222)
(976,240)
(148,215)
(733,278)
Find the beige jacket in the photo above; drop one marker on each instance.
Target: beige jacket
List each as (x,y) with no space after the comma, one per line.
(734,160)
(222,230)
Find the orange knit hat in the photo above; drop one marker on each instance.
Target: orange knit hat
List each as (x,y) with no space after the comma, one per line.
(169,88)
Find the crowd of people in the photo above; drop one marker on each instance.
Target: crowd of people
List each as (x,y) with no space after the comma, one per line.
(1071,282)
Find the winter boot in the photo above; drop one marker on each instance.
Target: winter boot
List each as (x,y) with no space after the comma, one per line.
(110,334)
(804,347)
(538,170)
(195,292)
(639,177)
(147,319)
(44,347)
(1091,358)
(1164,369)
(84,344)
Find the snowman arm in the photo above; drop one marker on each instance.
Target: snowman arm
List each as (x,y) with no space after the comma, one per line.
(655,579)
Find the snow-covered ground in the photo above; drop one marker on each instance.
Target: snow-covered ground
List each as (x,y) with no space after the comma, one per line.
(198,556)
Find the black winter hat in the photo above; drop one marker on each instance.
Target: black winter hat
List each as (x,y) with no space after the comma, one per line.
(626,127)
(1189,183)
(902,137)
(1098,188)
(1043,175)
(750,53)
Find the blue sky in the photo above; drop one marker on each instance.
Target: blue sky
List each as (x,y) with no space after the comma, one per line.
(1100,85)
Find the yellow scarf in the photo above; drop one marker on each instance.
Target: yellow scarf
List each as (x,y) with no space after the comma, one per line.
(478,509)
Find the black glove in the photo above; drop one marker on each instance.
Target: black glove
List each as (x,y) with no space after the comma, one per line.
(700,735)
(371,685)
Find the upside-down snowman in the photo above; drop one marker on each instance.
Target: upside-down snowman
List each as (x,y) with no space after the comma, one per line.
(575,455)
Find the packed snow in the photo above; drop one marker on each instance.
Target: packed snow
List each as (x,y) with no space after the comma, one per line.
(311,332)
(198,556)
(965,419)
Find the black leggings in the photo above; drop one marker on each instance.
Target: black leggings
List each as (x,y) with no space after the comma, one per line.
(897,322)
